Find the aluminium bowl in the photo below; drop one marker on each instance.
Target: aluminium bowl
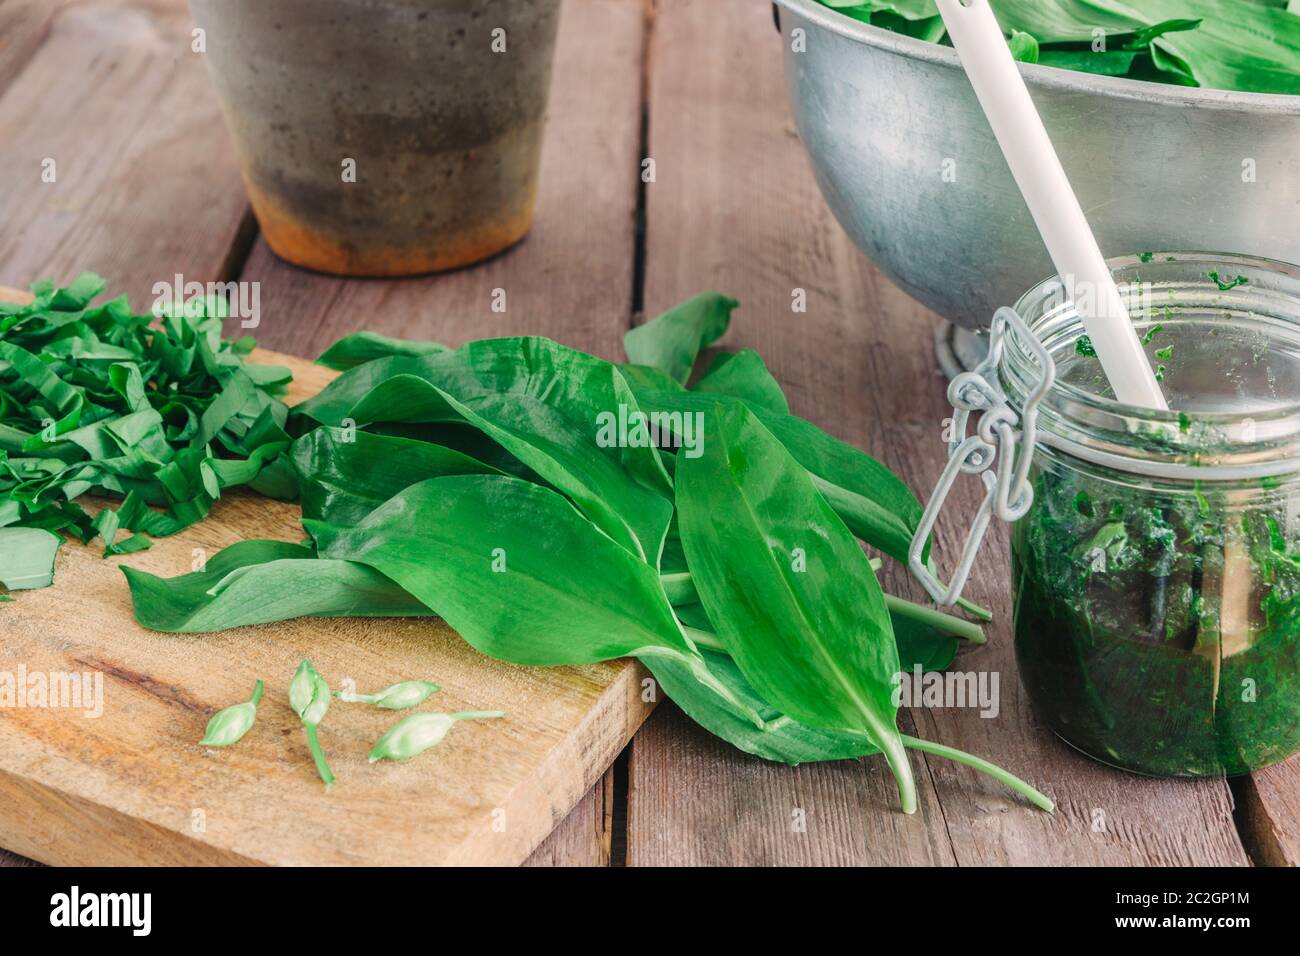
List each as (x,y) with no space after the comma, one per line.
(908,164)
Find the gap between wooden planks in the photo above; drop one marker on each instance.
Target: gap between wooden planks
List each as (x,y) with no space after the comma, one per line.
(156,191)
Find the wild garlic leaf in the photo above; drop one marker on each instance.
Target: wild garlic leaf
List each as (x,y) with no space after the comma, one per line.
(678,587)
(346,474)
(787,742)
(458,436)
(1146,35)
(1223,44)
(876,505)
(514,569)
(743,375)
(780,737)
(257,582)
(1237,46)
(921,645)
(672,341)
(361,347)
(1107,63)
(645,377)
(792,595)
(909,9)
(545,404)
(333,404)
(1024,48)
(1058,20)
(542,402)
(237,392)
(918,642)
(1055,19)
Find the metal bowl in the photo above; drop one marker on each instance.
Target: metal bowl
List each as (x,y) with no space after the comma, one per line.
(910,168)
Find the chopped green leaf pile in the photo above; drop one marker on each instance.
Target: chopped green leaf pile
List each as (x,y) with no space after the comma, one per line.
(96,400)
(1246,45)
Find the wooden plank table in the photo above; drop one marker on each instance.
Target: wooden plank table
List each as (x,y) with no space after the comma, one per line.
(148,187)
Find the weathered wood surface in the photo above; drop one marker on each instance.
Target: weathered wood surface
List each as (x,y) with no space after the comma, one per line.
(585,837)
(23,27)
(147,187)
(1270,814)
(145,181)
(735,208)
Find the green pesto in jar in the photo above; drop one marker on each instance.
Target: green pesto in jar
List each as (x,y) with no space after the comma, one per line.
(1159,633)
(1156,577)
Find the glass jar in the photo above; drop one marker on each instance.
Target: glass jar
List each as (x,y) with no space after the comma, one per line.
(1156,576)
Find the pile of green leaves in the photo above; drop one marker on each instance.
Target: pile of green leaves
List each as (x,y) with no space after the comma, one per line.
(1246,45)
(99,400)
(473,484)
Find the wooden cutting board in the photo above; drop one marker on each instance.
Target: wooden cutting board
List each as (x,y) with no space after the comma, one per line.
(131,785)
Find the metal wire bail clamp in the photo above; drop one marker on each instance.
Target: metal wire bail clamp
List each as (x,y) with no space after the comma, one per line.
(1008,493)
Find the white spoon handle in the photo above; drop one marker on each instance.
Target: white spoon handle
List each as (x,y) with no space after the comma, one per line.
(1037,169)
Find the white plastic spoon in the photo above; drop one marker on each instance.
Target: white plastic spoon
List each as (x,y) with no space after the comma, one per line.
(1029,152)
